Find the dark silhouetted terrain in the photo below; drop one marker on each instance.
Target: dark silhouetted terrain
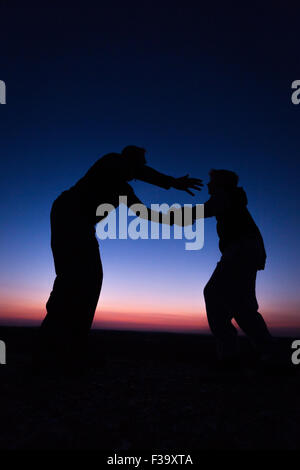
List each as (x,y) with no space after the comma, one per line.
(155,391)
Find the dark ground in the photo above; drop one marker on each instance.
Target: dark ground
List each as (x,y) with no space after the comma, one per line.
(155,392)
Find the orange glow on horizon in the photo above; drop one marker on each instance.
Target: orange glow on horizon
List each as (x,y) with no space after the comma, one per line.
(133,317)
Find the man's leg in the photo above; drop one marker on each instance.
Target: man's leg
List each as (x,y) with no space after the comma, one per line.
(63,335)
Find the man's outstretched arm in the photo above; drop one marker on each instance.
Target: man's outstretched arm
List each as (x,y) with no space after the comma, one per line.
(184,183)
(144,212)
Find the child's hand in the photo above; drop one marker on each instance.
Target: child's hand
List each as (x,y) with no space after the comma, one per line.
(181,217)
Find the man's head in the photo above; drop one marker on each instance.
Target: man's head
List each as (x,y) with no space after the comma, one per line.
(135,156)
(223,180)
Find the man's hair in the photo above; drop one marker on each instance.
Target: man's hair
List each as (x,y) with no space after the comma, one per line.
(224,177)
(133,152)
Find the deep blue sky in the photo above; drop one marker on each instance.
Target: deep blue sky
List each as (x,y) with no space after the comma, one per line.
(197,87)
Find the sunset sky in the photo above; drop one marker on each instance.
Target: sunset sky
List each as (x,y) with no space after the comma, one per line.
(199,89)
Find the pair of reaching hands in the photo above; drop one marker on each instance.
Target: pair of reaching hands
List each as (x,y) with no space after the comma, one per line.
(183,216)
(185,183)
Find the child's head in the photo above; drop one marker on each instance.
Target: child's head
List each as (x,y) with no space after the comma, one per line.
(222,180)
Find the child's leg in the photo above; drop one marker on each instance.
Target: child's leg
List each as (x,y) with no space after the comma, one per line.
(246,307)
(219,313)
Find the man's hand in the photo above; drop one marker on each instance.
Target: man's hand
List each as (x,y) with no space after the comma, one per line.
(185,182)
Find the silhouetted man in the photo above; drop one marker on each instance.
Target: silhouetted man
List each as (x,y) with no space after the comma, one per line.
(73,300)
(230,292)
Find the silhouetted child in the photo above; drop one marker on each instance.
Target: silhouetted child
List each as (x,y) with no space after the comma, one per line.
(230,292)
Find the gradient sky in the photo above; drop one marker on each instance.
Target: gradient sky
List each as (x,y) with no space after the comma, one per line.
(199,88)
